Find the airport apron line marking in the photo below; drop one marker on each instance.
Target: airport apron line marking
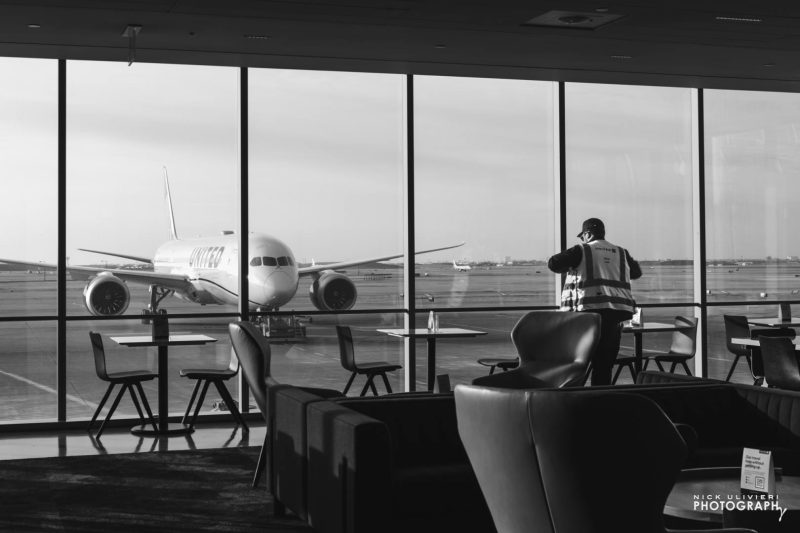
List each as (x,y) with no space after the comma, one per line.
(48,389)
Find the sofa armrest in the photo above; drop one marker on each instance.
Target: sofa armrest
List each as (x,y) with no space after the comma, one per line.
(349,470)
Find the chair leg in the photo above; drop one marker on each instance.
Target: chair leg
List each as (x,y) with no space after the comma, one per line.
(491,369)
(616,374)
(136,403)
(146,406)
(199,403)
(228,399)
(658,364)
(733,366)
(111,411)
(191,401)
(686,368)
(349,382)
(672,367)
(102,403)
(633,372)
(372,385)
(262,463)
(645,363)
(386,382)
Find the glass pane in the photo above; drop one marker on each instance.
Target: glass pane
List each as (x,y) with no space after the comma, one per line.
(752,163)
(483,176)
(86,389)
(326,185)
(128,128)
(314,361)
(629,163)
(28,371)
(29,185)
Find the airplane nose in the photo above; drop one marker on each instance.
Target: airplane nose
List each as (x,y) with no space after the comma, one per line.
(274,289)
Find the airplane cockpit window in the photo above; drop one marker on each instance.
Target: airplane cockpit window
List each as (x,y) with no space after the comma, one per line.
(270,261)
(289,259)
(283,261)
(255,262)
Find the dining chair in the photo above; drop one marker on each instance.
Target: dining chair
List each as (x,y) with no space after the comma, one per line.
(131,380)
(781,369)
(218,376)
(625,361)
(736,326)
(371,369)
(682,348)
(555,350)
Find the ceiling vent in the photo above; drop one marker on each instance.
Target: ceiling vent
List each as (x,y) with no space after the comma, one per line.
(578,20)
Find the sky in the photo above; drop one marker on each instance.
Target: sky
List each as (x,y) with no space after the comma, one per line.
(327,163)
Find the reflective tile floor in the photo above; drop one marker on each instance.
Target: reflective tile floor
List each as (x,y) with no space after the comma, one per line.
(24,445)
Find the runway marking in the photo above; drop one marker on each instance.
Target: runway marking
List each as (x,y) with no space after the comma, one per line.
(45,388)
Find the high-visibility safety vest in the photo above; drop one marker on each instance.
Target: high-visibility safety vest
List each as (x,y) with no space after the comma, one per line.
(601,281)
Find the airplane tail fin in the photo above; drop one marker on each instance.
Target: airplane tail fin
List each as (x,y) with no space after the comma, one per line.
(173,234)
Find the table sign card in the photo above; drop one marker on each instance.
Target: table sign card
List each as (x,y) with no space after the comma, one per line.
(758,471)
(636,320)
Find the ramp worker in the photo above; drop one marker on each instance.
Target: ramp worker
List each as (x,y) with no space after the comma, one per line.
(598,280)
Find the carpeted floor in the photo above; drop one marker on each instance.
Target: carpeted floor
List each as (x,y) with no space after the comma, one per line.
(202,490)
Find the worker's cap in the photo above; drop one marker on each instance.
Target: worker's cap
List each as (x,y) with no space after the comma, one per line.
(594,225)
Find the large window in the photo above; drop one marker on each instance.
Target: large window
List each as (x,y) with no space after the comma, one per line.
(484,176)
(28,177)
(629,163)
(129,127)
(752,162)
(326,178)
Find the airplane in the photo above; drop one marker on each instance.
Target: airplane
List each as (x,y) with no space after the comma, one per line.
(205,271)
(461,268)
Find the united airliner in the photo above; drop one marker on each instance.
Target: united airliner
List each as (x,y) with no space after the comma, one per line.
(205,271)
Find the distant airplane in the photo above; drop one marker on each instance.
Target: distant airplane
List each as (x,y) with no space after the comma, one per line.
(461,268)
(206,271)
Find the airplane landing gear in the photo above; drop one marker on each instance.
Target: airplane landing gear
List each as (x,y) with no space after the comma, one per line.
(283,327)
(156,295)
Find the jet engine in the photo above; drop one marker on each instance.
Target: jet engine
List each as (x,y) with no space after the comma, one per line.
(106,295)
(332,291)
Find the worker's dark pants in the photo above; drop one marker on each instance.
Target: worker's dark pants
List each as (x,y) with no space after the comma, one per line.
(607,348)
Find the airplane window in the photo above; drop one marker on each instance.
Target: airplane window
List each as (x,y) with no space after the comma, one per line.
(283,261)
(270,261)
(255,262)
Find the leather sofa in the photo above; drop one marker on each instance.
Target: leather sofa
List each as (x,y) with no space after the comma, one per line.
(388,463)
(396,462)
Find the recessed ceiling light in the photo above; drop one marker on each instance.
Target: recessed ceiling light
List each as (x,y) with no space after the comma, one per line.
(602,10)
(768,65)
(621,58)
(34,26)
(574,19)
(440,46)
(256,36)
(739,19)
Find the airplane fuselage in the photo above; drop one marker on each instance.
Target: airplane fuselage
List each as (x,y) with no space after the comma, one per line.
(211,264)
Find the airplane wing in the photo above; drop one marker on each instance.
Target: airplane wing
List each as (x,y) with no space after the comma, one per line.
(177,282)
(133,257)
(305,271)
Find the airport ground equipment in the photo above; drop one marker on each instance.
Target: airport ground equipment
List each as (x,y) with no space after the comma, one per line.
(205,377)
(371,369)
(130,380)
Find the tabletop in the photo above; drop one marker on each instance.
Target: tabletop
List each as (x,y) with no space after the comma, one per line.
(747,341)
(721,485)
(425,332)
(652,327)
(174,340)
(775,322)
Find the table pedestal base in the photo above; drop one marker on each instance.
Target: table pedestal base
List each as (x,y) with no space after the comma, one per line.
(174,429)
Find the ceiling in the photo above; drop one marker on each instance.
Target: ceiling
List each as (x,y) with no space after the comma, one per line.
(698,43)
